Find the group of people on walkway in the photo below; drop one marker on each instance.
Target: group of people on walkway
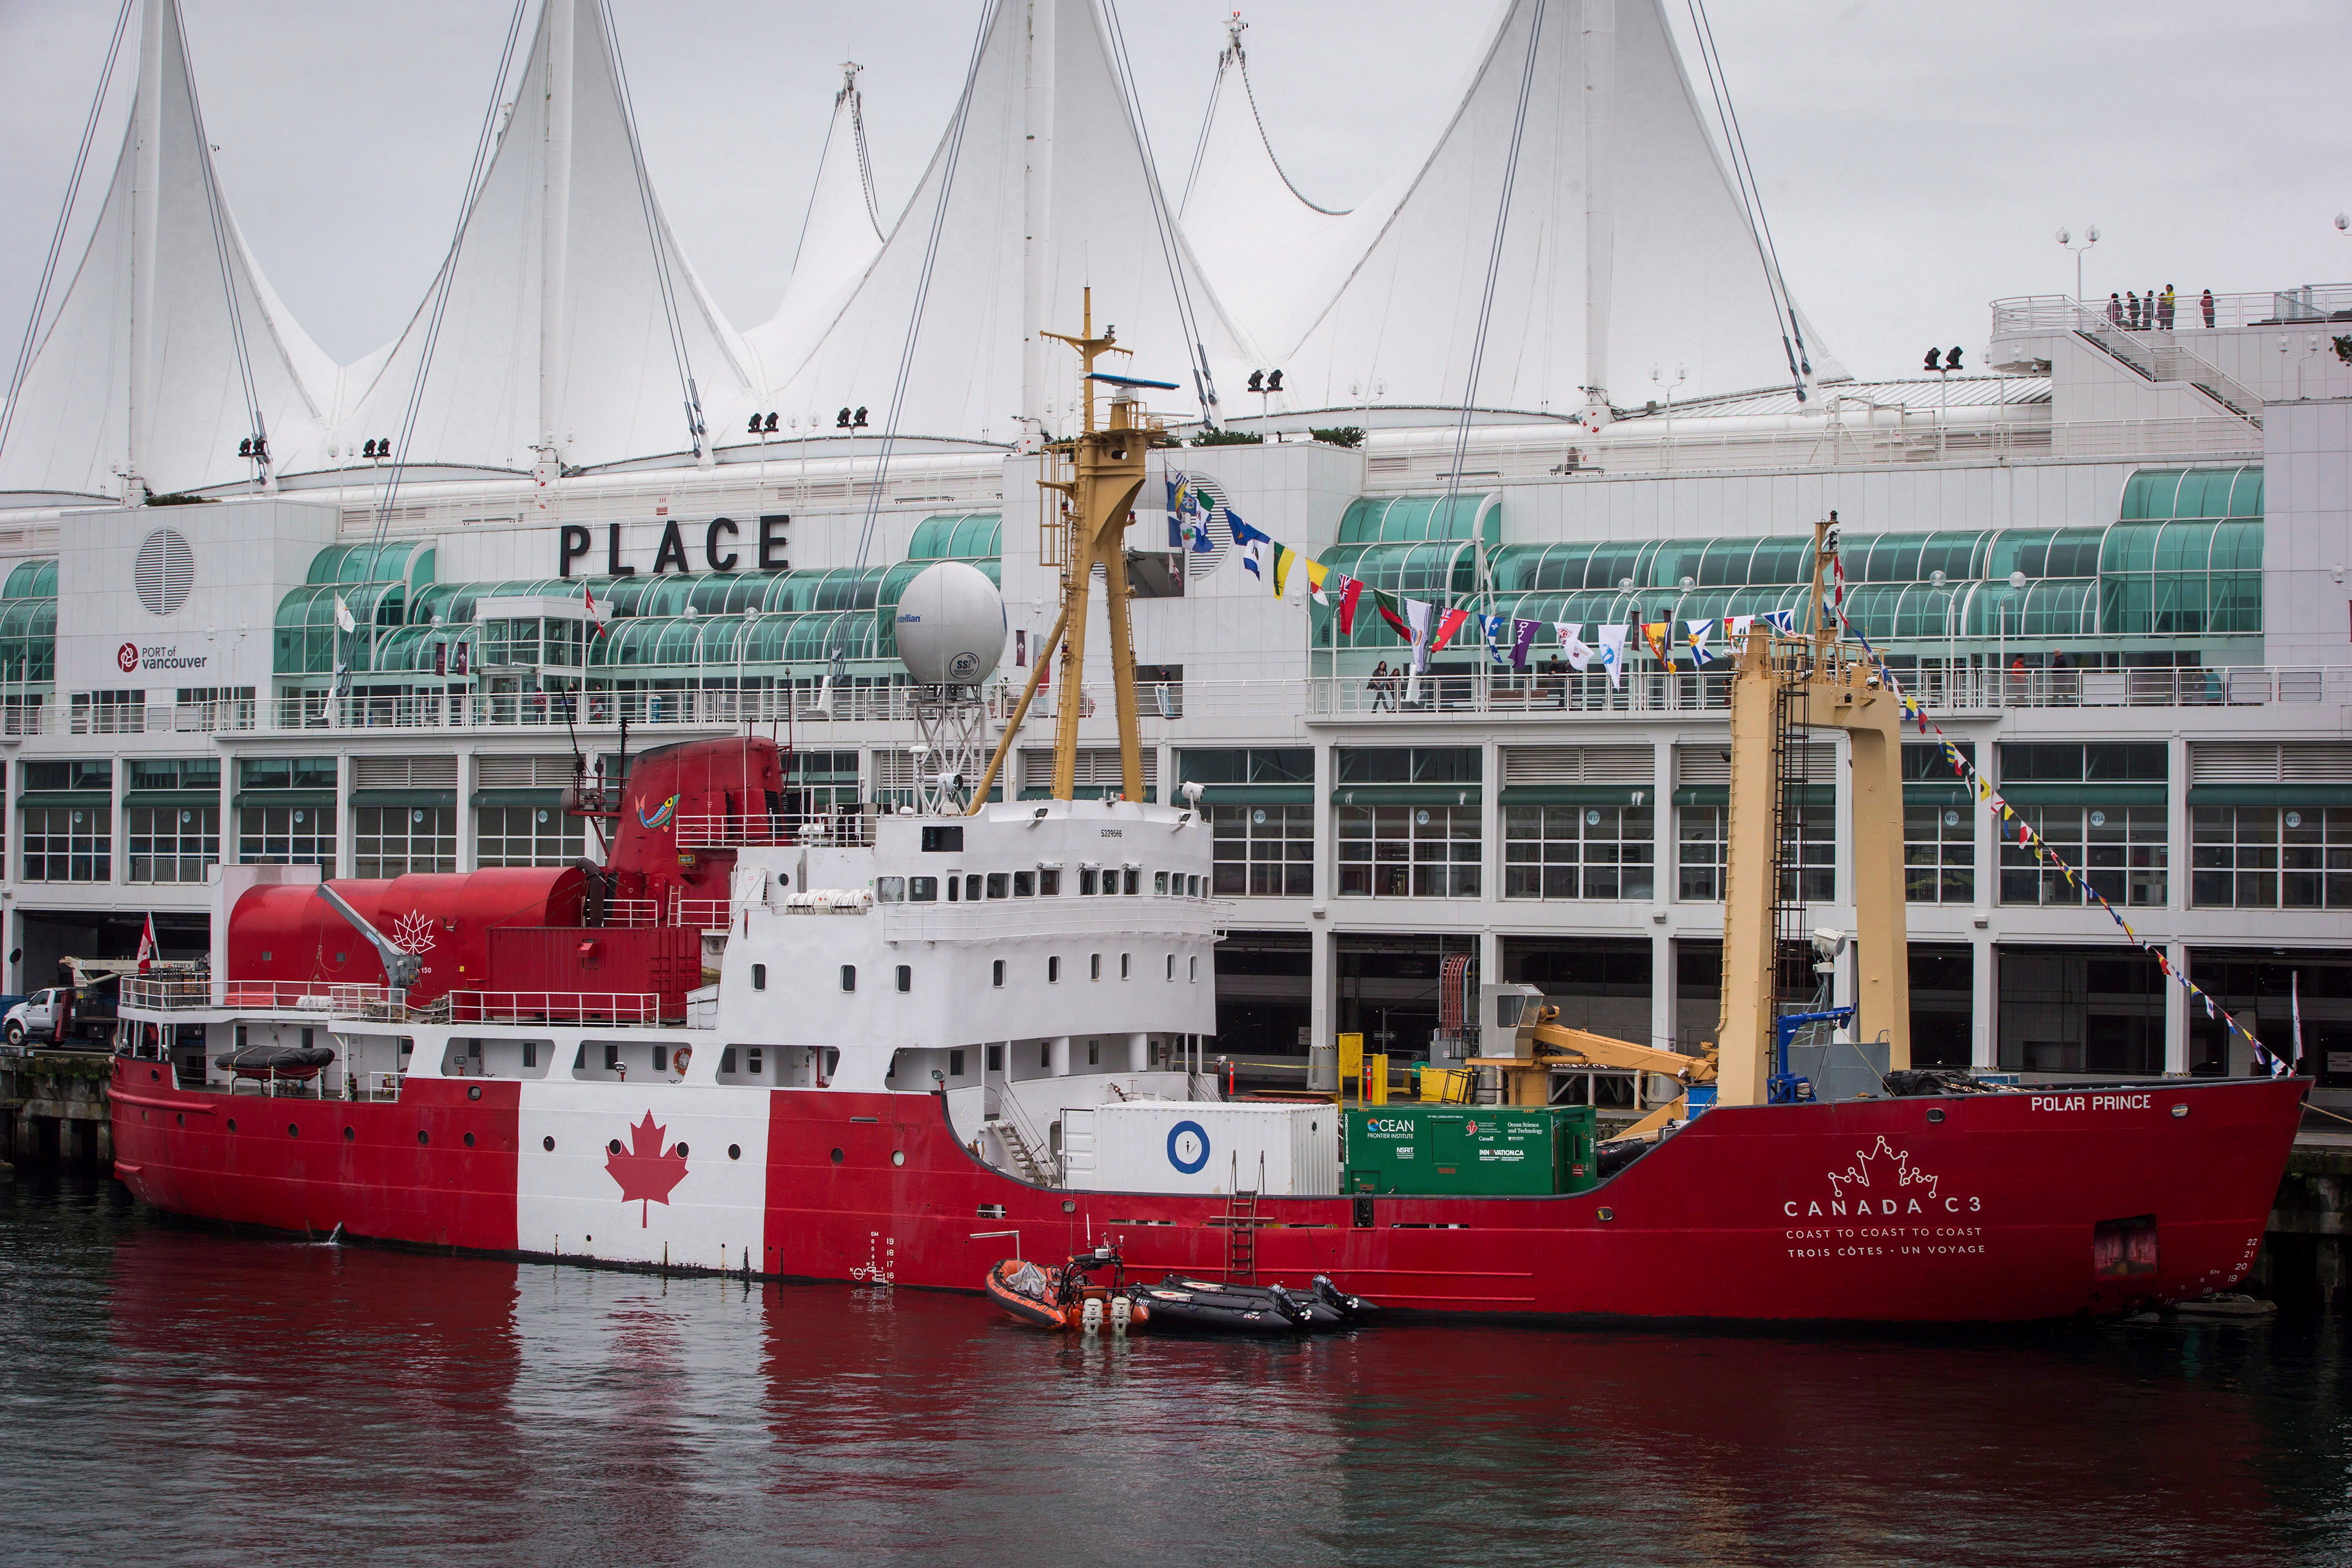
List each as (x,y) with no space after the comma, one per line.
(2151,312)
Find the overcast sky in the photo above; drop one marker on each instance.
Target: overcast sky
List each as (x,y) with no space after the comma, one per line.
(1918,155)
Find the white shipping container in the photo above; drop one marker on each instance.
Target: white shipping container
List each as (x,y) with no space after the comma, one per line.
(1186,1146)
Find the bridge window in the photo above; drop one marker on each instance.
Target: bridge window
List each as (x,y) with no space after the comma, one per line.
(849,977)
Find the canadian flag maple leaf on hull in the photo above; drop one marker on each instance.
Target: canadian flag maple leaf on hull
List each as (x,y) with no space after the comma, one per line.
(646,1171)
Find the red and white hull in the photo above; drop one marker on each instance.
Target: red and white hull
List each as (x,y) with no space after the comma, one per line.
(1873,1210)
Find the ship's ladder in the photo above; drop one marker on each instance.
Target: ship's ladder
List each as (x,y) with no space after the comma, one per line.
(1240,1222)
(1018,1155)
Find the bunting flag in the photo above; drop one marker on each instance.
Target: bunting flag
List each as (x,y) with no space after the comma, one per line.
(1397,622)
(1255,558)
(1734,630)
(1612,653)
(2044,854)
(1349,590)
(1781,621)
(1655,634)
(1201,544)
(1523,640)
(1447,624)
(1284,558)
(1416,615)
(343,618)
(1175,510)
(1317,575)
(1580,652)
(1699,630)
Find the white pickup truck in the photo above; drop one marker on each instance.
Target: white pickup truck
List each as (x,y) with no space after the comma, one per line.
(36,1017)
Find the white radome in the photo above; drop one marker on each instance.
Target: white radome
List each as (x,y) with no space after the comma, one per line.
(951,625)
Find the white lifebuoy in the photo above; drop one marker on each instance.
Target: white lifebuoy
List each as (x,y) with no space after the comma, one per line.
(680,1057)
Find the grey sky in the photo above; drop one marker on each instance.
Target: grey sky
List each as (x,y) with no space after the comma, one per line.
(1916,156)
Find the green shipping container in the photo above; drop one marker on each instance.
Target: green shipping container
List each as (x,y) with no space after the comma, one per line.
(1492,1150)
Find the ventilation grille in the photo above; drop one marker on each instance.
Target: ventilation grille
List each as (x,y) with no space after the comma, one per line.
(1704,765)
(552,772)
(2291,761)
(1577,766)
(407,773)
(1098,768)
(165,571)
(894,772)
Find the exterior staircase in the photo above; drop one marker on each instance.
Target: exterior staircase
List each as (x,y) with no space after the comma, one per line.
(2154,358)
(1019,1157)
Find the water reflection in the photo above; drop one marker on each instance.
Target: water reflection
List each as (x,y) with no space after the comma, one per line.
(176,1394)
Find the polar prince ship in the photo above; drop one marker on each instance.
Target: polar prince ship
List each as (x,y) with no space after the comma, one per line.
(528,1061)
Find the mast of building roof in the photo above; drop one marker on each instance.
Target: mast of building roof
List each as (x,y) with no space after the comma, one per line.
(1599,200)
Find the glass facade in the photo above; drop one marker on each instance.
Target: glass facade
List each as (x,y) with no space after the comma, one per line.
(172,844)
(286,836)
(67,844)
(1263,851)
(396,840)
(2270,858)
(2118,850)
(527,835)
(1407,851)
(1579,851)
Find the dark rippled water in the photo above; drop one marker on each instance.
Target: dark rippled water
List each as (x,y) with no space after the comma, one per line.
(175,1394)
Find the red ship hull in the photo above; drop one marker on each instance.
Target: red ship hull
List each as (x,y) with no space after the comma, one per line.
(1979,1208)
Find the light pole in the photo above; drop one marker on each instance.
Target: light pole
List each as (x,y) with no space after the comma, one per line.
(1681,375)
(2090,238)
(1936,579)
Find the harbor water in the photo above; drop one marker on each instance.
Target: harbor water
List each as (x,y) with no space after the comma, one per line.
(178,1394)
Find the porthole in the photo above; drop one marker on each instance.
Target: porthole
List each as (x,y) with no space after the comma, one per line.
(681,1151)
(469,1140)
(548,1144)
(180,1117)
(155,1074)
(292,1130)
(423,1138)
(836,1156)
(734,1150)
(613,1147)
(474,1091)
(897,1157)
(1069,1206)
(349,1134)
(232,1123)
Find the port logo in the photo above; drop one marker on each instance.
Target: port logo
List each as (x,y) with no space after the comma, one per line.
(1188,1147)
(126,657)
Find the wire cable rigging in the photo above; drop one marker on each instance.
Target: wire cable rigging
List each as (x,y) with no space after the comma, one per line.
(64,218)
(1494,270)
(1171,241)
(696,427)
(484,143)
(1751,199)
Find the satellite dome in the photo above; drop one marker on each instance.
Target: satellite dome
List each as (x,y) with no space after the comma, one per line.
(951,624)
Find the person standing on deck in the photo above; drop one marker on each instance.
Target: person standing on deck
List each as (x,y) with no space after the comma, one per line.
(2114,311)
(1379,685)
(2131,311)
(2164,305)
(2207,305)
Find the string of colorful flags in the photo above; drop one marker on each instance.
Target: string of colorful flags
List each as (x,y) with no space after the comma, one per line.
(1430,628)
(2013,825)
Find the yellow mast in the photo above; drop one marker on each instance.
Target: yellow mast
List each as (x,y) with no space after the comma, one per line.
(1781,685)
(1085,530)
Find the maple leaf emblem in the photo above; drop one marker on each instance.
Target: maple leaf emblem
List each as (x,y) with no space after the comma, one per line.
(647,1171)
(1901,1174)
(414,932)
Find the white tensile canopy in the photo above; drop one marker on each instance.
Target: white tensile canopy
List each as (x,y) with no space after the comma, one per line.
(839,240)
(1626,245)
(1051,193)
(556,340)
(139,370)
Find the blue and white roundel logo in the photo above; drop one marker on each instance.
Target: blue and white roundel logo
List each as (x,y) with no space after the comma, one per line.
(1188,1147)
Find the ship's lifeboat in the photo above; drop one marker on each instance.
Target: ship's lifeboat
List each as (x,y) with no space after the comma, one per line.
(280,1062)
(1031,1293)
(1066,1298)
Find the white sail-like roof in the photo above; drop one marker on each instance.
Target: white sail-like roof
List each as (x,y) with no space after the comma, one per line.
(138,370)
(1050,194)
(1274,256)
(839,239)
(556,332)
(1627,246)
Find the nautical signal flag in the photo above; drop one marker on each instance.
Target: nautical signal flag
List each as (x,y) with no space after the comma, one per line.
(1699,630)
(1656,633)
(1523,639)
(1580,652)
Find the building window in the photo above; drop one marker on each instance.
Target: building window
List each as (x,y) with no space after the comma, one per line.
(1939,855)
(1052,971)
(108,712)
(2270,858)
(955,1064)
(1577,852)
(172,844)
(397,840)
(69,844)
(1094,966)
(528,836)
(1049,881)
(1808,854)
(1264,851)
(1699,835)
(2119,851)
(1408,851)
(286,836)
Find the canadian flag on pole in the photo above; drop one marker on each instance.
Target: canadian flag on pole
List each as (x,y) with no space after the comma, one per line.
(147,945)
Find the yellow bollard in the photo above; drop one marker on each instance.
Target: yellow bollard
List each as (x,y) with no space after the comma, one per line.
(1351,1062)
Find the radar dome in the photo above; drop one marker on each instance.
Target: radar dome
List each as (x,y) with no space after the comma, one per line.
(951,625)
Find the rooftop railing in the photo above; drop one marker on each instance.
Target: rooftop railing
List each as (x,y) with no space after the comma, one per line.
(2309,305)
(2157,352)
(1502,693)
(379,1004)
